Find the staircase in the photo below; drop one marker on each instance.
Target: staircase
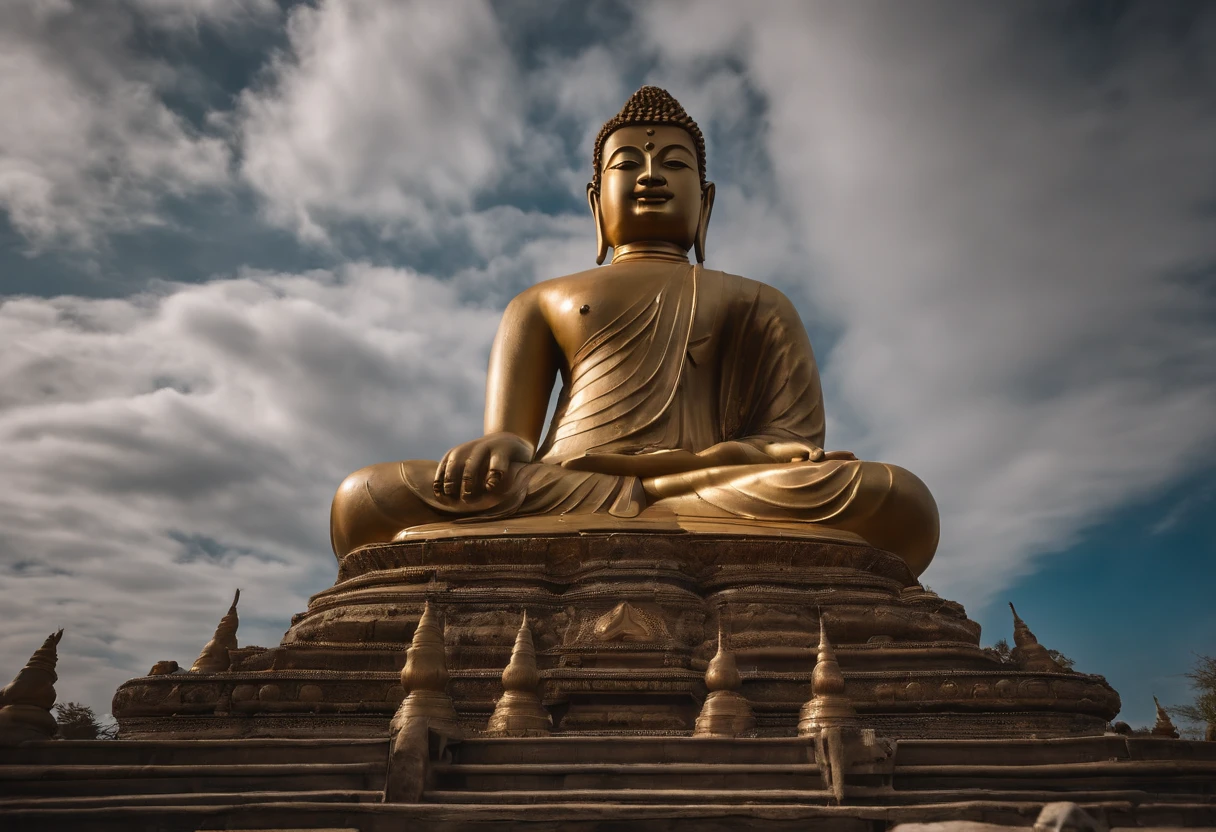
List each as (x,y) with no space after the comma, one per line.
(580,783)
(700,772)
(645,770)
(111,784)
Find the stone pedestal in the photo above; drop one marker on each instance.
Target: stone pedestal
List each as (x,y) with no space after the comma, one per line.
(624,626)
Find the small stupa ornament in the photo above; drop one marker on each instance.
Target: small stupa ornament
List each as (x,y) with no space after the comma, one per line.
(726,713)
(425,678)
(828,707)
(26,702)
(1164,726)
(1027,653)
(214,658)
(520,713)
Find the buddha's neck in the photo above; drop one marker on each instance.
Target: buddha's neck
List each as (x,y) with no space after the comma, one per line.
(652,250)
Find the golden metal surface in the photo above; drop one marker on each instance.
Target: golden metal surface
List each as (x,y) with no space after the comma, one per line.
(828,707)
(425,678)
(519,711)
(686,391)
(725,712)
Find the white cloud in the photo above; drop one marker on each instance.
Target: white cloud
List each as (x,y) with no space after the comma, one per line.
(189,14)
(997,245)
(87,146)
(387,113)
(1001,241)
(163,449)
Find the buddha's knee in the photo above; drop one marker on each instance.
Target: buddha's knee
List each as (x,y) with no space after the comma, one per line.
(373,504)
(905,521)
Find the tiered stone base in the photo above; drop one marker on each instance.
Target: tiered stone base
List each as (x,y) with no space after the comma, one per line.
(624,625)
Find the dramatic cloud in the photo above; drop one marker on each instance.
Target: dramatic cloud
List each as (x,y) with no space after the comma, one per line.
(384,112)
(993,222)
(163,449)
(87,145)
(1012,251)
(188,14)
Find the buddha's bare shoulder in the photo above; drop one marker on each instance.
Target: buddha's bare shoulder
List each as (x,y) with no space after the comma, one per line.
(558,291)
(572,282)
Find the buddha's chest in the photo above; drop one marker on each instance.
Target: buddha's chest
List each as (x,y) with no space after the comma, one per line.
(588,315)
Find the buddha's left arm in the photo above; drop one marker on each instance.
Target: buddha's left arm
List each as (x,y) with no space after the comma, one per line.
(772,400)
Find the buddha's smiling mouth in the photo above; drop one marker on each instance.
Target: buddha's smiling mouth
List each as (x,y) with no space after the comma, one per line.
(656,196)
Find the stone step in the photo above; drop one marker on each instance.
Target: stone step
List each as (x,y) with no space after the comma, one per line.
(685,797)
(195,752)
(192,798)
(612,776)
(860,816)
(93,780)
(1158,777)
(856,796)
(658,750)
(1063,750)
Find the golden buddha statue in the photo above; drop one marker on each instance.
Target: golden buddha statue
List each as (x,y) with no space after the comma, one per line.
(690,397)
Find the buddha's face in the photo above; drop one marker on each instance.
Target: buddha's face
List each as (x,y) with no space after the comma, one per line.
(650,188)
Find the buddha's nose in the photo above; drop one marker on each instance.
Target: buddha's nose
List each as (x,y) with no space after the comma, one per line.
(651,176)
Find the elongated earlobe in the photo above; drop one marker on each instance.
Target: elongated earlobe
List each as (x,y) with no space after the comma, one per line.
(601,245)
(707,207)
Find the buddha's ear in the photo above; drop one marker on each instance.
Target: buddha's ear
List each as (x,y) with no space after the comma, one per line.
(707,207)
(601,245)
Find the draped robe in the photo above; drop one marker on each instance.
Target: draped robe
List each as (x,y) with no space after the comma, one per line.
(708,357)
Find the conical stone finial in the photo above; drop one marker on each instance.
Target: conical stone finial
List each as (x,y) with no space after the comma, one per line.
(26,702)
(214,657)
(520,713)
(1164,726)
(1027,653)
(1022,637)
(425,678)
(828,707)
(725,713)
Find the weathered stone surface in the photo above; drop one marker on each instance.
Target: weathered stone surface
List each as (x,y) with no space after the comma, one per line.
(624,626)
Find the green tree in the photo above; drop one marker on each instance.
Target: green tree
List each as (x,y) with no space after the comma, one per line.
(79,722)
(1200,714)
(1004,654)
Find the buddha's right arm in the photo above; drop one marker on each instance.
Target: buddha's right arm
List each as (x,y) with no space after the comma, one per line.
(523,364)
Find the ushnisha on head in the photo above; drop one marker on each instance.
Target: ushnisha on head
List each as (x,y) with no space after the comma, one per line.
(648,184)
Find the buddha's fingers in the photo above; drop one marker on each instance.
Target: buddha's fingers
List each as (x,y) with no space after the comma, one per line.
(500,463)
(793,451)
(847,456)
(473,474)
(453,470)
(439,472)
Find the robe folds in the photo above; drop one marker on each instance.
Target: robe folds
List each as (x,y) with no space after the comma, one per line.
(708,357)
(704,357)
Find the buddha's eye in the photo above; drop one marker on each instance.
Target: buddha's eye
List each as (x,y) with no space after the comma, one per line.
(676,164)
(625,164)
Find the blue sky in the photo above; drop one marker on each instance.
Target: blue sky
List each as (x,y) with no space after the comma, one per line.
(247,248)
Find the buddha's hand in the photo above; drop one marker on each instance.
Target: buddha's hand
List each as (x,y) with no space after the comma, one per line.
(480,466)
(803,452)
(759,450)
